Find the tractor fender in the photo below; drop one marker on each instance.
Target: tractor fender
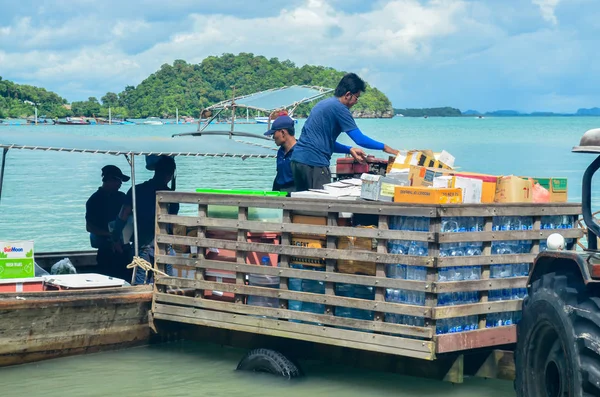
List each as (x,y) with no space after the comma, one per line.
(552,261)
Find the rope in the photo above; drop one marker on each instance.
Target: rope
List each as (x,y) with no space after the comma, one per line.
(145,265)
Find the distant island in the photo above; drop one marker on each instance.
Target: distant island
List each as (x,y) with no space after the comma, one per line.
(189,88)
(453,112)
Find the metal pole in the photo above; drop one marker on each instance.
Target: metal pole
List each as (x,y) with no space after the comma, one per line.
(109,116)
(232,110)
(36,116)
(134,211)
(176,115)
(2,169)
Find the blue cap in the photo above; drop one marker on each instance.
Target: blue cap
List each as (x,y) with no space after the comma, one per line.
(281,123)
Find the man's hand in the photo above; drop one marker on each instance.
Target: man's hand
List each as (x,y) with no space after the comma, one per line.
(358,154)
(117,247)
(389,150)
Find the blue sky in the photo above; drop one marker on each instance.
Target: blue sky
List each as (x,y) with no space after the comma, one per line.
(529,55)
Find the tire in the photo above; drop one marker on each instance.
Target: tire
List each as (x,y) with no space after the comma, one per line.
(558,340)
(269,361)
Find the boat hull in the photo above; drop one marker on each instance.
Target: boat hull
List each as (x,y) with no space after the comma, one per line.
(42,325)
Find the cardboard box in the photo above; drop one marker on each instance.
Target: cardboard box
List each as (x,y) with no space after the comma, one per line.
(425,158)
(381,188)
(16,259)
(308,242)
(446,158)
(556,186)
(423,176)
(471,187)
(427,195)
(352,266)
(488,188)
(512,189)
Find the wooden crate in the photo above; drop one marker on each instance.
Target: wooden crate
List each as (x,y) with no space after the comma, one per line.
(420,341)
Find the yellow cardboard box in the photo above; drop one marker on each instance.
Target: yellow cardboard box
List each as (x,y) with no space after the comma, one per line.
(307,242)
(512,189)
(425,158)
(427,195)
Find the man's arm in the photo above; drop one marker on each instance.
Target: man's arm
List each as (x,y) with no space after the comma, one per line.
(362,140)
(91,228)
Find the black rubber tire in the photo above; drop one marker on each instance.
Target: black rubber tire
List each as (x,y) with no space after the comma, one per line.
(269,361)
(558,339)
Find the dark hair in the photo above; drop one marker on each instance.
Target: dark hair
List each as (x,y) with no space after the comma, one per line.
(350,83)
(291,131)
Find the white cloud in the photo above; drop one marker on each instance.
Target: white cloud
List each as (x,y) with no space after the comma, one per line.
(547,8)
(440,52)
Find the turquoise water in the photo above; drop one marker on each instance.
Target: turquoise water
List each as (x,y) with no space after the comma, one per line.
(44,194)
(44,200)
(192,369)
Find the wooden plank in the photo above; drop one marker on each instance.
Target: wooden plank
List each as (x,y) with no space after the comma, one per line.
(160,228)
(456,372)
(452,261)
(488,225)
(507,235)
(299,204)
(420,311)
(330,264)
(382,225)
(330,230)
(284,260)
(326,253)
(48,299)
(398,329)
(481,285)
(500,364)
(240,256)
(509,209)
(461,341)
(299,273)
(476,308)
(306,332)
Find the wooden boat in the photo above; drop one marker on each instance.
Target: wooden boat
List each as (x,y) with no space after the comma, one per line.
(72,121)
(49,324)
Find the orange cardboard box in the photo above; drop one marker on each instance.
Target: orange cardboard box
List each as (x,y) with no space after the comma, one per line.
(512,189)
(427,195)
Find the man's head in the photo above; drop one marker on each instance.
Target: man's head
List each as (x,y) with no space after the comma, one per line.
(112,177)
(282,130)
(349,89)
(164,168)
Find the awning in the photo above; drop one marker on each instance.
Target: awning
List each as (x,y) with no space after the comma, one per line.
(277,98)
(213,146)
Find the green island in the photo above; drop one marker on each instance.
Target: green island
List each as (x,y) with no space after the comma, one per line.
(188,88)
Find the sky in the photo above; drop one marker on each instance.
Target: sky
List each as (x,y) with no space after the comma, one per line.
(527,55)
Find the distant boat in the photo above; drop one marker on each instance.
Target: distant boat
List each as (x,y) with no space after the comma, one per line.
(265,120)
(153,121)
(72,121)
(425,116)
(479,117)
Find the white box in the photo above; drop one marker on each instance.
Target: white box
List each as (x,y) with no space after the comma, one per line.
(471,187)
(381,188)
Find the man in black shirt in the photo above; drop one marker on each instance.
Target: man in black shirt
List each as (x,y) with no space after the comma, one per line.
(145,200)
(101,208)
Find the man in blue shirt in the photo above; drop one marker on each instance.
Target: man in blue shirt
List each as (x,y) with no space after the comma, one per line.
(282,130)
(318,141)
